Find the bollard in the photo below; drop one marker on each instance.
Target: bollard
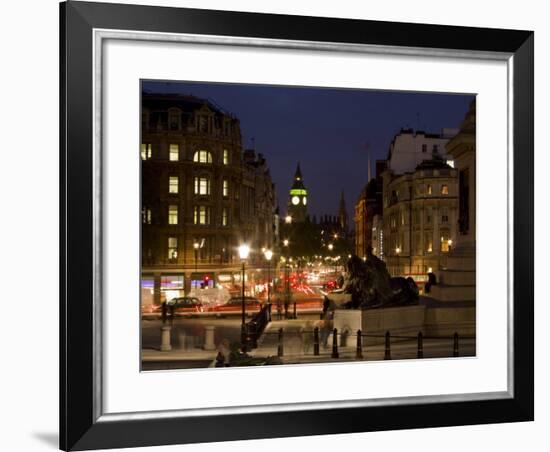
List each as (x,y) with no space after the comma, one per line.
(165,339)
(455,345)
(420,352)
(182,339)
(280,347)
(359,350)
(209,338)
(316,341)
(387,351)
(294,315)
(335,343)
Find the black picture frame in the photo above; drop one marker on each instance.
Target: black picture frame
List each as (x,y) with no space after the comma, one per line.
(80,427)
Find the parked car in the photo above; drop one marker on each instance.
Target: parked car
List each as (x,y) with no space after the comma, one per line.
(181,305)
(234,304)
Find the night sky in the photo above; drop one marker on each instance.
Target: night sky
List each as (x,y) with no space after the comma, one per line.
(327,130)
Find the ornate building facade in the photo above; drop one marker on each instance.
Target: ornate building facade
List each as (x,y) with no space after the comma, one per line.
(420,211)
(201,195)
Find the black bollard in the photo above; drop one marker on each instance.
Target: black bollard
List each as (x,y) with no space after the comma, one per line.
(359,350)
(387,351)
(335,343)
(280,347)
(420,352)
(295,316)
(316,341)
(455,345)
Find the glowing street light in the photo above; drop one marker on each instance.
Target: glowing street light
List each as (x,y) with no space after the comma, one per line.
(330,246)
(268,255)
(288,219)
(196,248)
(244,251)
(285,242)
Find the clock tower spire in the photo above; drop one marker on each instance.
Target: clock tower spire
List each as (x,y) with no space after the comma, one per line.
(297,199)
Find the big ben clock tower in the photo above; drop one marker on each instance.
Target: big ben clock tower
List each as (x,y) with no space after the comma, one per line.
(297,199)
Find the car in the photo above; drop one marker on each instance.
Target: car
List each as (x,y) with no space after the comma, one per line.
(235,304)
(181,305)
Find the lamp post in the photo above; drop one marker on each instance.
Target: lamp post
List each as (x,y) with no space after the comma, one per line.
(196,248)
(287,278)
(244,251)
(330,247)
(268,255)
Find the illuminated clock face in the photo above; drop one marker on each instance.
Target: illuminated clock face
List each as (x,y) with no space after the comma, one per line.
(304,200)
(295,200)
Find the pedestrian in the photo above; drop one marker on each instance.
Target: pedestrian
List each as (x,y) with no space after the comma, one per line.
(224,354)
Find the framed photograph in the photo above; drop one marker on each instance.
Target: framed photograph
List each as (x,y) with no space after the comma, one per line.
(282,226)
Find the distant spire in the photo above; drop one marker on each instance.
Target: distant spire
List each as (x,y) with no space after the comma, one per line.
(298,173)
(342,213)
(368,169)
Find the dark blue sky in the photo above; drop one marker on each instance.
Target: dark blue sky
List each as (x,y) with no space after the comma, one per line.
(325,129)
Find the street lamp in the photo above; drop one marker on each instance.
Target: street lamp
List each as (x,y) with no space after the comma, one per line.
(288,219)
(196,247)
(268,255)
(244,251)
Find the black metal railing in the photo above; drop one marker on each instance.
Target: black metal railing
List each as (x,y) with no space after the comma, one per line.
(256,326)
(318,336)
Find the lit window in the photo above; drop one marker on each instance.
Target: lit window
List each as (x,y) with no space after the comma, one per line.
(224,216)
(146,151)
(225,189)
(202,157)
(225,157)
(172,247)
(173,184)
(451,163)
(172,214)
(445,242)
(146,215)
(429,189)
(444,189)
(202,185)
(201,215)
(174,152)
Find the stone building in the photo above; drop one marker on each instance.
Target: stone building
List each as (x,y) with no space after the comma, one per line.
(369,204)
(201,195)
(420,205)
(420,217)
(410,148)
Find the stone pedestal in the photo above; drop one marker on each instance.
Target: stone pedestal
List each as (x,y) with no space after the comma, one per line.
(404,320)
(165,345)
(457,279)
(209,338)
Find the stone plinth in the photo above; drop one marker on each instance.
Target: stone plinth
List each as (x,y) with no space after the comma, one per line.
(431,318)
(457,279)
(404,320)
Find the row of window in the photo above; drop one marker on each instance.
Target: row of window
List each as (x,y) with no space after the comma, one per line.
(201,215)
(445,246)
(416,219)
(202,185)
(200,156)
